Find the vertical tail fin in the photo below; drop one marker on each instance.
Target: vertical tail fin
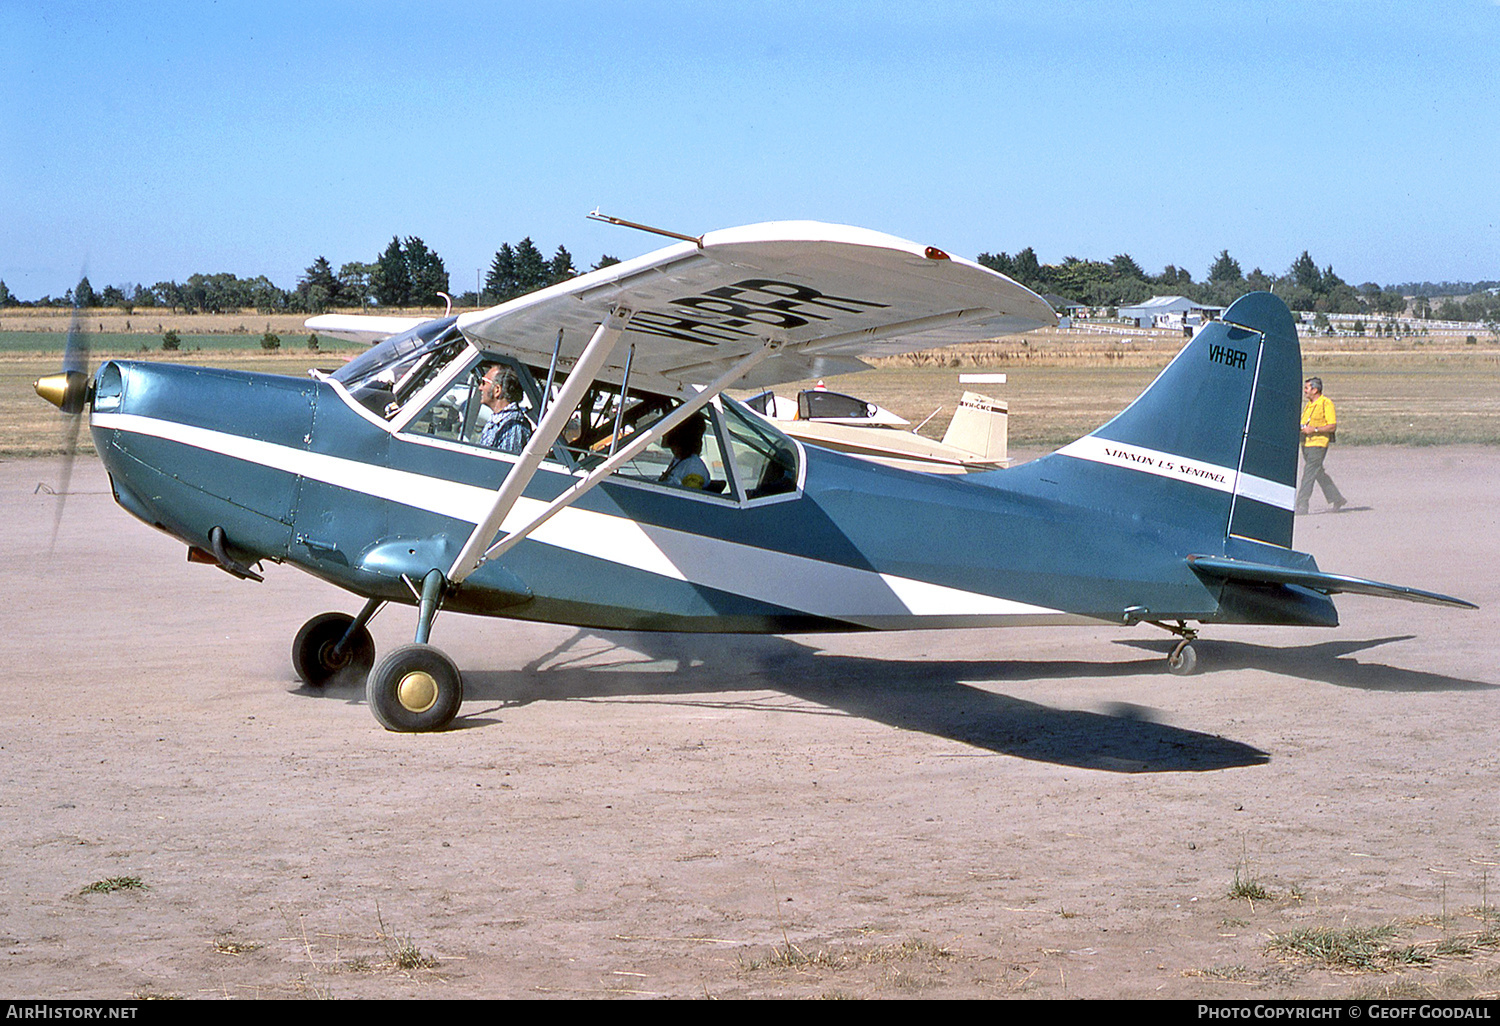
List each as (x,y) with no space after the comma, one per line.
(979,426)
(1211,445)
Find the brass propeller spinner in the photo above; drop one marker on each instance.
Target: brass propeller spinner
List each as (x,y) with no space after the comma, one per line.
(67,391)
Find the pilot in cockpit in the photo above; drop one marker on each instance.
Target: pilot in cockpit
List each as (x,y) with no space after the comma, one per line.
(687,469)
(508,429)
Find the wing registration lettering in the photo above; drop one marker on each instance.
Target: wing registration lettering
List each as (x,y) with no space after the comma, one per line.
(743,310)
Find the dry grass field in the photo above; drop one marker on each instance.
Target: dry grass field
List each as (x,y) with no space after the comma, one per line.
(1424,391)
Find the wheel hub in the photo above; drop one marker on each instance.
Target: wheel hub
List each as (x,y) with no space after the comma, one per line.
(417,692)
(332,658)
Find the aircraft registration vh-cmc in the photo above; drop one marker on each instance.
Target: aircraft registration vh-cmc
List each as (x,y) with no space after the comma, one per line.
(375,477)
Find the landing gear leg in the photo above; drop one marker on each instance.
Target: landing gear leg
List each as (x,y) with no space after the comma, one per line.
(417,688)
(1184,658)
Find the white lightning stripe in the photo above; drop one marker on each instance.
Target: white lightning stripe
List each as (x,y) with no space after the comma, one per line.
(790,581)
(1180,468)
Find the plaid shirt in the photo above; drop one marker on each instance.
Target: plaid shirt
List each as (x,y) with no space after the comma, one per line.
(508,431)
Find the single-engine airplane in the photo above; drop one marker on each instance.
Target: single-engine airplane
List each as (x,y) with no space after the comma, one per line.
(374,476)
(976,439)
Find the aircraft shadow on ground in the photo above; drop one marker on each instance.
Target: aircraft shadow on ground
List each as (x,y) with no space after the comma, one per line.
(930,696)
(1327,662)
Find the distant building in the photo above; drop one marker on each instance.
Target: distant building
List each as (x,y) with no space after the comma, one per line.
(1174,312)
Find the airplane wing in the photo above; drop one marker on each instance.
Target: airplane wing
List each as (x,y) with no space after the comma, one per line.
(367,328)
(829,294)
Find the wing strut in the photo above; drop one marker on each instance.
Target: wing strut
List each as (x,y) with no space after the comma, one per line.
(547,433)
(638,442)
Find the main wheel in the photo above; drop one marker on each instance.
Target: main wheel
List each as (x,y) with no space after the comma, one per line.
(415,688)
(1183,660)
(313,655)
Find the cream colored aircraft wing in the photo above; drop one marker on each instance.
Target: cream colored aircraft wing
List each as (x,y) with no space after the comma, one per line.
(830,294)
(367,328)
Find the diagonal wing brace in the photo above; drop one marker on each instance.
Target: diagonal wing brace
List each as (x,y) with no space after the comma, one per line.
(637,442)
(550,429)
(547,433)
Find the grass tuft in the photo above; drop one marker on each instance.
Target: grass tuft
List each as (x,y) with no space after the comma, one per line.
(406,955)
(229,946)
(792,957)
(1247,887)
(1233,973)
(115,883)
(1363,949)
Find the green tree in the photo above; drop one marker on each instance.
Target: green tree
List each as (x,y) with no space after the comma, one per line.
(390,282)
(605,261)
(1000,262)
(6,298)
(500,284)
(318,289)
(1390,301)
(561,268)
(532,272)
(1028,268)
(1225,270)
(1174,279)
(168,294)
(428,275)
(1305,274)
(84,296)
(1124,266)
(354,283)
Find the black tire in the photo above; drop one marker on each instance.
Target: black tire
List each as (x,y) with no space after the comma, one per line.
(414,689)
(1184,660)
(313,656)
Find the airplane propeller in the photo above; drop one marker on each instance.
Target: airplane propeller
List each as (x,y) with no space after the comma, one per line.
(69,392)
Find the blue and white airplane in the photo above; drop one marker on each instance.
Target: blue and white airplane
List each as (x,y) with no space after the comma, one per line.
(1178,512)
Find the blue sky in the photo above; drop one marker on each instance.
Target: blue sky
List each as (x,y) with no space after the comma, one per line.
(149,141)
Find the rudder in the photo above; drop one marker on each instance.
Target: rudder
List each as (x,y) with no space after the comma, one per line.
(1221,418)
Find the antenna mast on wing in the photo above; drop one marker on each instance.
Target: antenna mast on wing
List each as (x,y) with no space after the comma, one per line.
(696,240)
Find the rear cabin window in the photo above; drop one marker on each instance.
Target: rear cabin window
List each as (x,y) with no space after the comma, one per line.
(815,404)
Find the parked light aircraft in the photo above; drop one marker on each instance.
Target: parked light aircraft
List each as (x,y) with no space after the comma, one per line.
(977,437)
(1178,512)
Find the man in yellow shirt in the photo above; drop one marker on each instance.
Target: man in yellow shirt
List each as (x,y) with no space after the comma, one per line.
(1318,426)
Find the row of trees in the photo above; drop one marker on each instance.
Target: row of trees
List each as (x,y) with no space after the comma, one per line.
(409,273)
(1304,285)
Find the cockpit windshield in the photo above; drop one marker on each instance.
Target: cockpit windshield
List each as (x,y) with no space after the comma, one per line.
(385,373)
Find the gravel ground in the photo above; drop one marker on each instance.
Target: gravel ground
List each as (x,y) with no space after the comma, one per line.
(1030,813)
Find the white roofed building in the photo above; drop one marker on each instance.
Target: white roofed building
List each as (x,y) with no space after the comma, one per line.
(1170,312)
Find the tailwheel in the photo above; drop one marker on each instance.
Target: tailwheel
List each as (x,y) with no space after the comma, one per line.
(1183,660)
(415,688)
(320,653)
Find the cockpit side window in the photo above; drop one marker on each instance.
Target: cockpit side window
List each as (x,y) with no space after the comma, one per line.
(454,415)
(690,456)
(463,411)
(765,460)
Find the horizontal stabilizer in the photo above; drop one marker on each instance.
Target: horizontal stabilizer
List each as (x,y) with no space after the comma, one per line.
(1264,573)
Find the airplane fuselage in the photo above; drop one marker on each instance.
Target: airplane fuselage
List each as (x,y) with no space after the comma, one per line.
(293,470)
